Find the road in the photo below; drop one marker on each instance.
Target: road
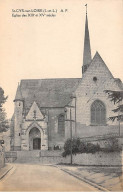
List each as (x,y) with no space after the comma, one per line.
(29,177)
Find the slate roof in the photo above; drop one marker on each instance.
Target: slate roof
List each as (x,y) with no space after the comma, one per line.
(48,92)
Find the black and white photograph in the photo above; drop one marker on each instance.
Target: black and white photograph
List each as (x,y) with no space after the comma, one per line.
(61,96)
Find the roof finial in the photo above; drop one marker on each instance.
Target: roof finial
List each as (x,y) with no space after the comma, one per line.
(86,8)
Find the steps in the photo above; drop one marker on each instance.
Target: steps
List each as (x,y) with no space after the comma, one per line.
(28,156)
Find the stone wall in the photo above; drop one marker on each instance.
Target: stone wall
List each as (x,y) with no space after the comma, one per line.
(87,92)
(98,159)
(17,124)
(55,157)
(2,162)
(54,137)
(7,139)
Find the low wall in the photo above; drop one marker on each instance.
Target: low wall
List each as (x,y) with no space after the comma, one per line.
(2,162)
(51,159)
(98,159)
(52,153)
(10,156)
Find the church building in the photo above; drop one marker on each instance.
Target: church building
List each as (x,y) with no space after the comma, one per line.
(48,111)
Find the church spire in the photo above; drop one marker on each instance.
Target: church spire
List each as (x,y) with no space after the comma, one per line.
(87,48)
(18,96)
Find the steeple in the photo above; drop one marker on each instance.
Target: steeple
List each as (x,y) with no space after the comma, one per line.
(18,96)
(87,48)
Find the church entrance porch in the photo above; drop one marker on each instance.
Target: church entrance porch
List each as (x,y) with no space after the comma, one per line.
(34,139)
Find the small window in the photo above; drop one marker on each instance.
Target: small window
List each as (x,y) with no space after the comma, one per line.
(98,113)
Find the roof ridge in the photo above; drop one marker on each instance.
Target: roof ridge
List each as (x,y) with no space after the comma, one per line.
(48,79)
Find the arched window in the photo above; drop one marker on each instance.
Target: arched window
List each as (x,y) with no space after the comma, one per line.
(98,113)
(61,124)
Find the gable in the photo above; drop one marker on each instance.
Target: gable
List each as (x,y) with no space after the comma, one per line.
(34,112)
(97,78)
(98,68)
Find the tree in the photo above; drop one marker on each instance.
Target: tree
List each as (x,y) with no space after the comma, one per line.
(3,121)
(116,97)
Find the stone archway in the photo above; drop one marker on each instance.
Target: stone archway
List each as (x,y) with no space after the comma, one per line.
(34,139)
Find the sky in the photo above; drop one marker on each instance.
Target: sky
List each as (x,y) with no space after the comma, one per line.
(52,47)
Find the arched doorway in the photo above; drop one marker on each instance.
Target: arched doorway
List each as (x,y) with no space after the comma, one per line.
(34,139)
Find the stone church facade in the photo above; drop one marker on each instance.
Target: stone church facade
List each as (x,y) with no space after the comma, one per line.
(48,110)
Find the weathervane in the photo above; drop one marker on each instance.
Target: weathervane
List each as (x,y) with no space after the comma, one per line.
(86,8)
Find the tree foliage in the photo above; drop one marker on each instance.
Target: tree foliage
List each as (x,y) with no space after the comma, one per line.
(79,147)
(3,121)
(116,97)
(112,145)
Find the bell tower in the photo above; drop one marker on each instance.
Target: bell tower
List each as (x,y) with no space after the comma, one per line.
(18,111)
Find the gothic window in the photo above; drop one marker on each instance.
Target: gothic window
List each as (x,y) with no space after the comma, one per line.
(98,113)
(61,124)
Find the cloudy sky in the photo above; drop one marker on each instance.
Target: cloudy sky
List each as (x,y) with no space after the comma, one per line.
(52,47)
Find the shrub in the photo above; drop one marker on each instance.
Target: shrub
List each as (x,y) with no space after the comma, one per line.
(111,145)
(92,148)
(79,147)
(75,146)
(82,147)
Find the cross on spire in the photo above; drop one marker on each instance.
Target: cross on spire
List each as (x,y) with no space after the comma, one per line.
(86,8)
